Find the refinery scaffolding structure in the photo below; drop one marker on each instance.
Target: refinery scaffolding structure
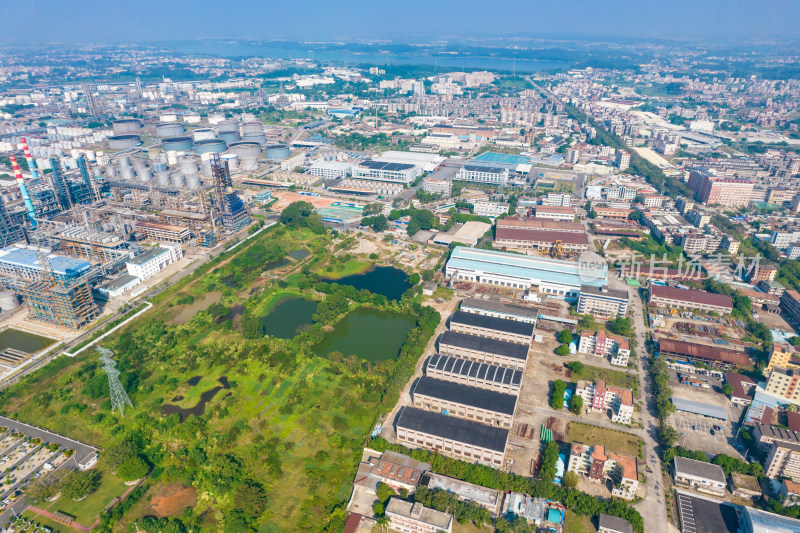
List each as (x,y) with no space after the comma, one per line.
(59,302)
(235,215)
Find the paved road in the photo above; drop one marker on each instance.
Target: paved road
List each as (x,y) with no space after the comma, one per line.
(653,507)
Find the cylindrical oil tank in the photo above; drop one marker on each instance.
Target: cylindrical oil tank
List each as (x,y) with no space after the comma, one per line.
(252,127)
(123,142)
(168,117)
(232,159)
(229,137)
(177,179)
(277,152)
(248,153)
(162,178)
(177,144)
(8,300)
(188,165)
(126,125)
(127,173)
(192,118)
(170,129)
(256,137)
(201,134)
(144,174)
(192,181)
(227,125)
(216,146)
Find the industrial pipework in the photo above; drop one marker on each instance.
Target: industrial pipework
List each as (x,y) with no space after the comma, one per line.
(26,198)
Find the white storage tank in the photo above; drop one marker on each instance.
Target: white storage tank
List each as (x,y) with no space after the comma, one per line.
(8,300)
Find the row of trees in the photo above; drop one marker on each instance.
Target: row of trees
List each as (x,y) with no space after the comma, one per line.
(726,462)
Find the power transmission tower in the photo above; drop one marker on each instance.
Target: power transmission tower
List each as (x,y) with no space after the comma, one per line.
(118,395)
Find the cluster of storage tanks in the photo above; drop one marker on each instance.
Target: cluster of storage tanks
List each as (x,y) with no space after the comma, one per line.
(186,176)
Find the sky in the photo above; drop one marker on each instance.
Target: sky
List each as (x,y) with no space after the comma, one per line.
(115,21)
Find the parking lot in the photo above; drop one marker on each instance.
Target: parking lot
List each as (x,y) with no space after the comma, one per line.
(698,432)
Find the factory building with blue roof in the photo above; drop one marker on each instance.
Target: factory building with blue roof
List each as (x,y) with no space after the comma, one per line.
(25,263)
(549,276)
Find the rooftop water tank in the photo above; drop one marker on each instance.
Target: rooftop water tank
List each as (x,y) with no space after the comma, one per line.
(170,129)
(126,125)
(277,152)
(216,146)
(123,142)
(177,144)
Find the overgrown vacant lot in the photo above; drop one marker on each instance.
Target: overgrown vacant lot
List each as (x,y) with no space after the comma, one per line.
(615,441)
(276,432)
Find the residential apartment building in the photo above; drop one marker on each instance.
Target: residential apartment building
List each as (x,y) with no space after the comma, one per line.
(712,189)
(602,302)
(557,199)
(413,517)
(496,309)
(697,219)
(784,383)
(783,461)
(462,401)
(602,396)
(490,209)
(602,344)
(483,174)
(702,301)
(474,374)
(729,244)
(623,160)
(698,475)
(483,350)
(784,355)
(490,327)
(653,200)
(153,261)
(599,465)
(612,213)
(766,435)
(456,437)
(434,186)
(790,303)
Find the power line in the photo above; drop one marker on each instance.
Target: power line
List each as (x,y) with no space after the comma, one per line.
(119,398)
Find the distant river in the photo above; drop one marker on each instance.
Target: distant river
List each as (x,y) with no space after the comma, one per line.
(283,50)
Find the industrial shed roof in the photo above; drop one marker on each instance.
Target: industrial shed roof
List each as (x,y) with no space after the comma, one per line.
(465,395)
(456,429)
(705,409)
(482,344)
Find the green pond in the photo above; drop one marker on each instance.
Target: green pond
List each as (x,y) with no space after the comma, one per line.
(287,316)
(389,281)
(22,340)
(371,334)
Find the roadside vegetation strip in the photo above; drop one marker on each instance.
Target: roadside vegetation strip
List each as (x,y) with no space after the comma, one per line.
(111,328)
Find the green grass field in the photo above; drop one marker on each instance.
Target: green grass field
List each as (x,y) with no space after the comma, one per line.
(291,422)
(615,441)
(341,270)
(57,527)
(86,511)
(578,523)
(617,378)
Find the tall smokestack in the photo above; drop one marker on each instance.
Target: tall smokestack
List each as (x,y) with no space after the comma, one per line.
(26,198)
(29,159)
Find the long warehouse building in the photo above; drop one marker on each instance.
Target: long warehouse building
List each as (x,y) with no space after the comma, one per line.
(483,350)
(474,374)
(547,275)
(463,439)
(462,401)
(491,327)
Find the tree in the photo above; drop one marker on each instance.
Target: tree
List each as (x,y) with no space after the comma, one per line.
(384,492)
(570,480)
(576,404)
(80,483)
(293,214)
(564,336)
(667,435)
(44,488)
(621,326)
(575,366)
(133,468)
(413,228)
(237,522)
(414,278)
(377,222)
(562,350)
(548,469)
(557,398)
(587,322)
(252,327)
(727,389)
(251,498)
(794,341)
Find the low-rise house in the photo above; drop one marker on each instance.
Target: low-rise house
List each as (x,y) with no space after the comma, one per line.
(743,388)
(408,517)
(467,492)
(789,493)
(602,396)
(698,475)
(391,468)
(602,344)
(612,524)
(598,465)
(744,486)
